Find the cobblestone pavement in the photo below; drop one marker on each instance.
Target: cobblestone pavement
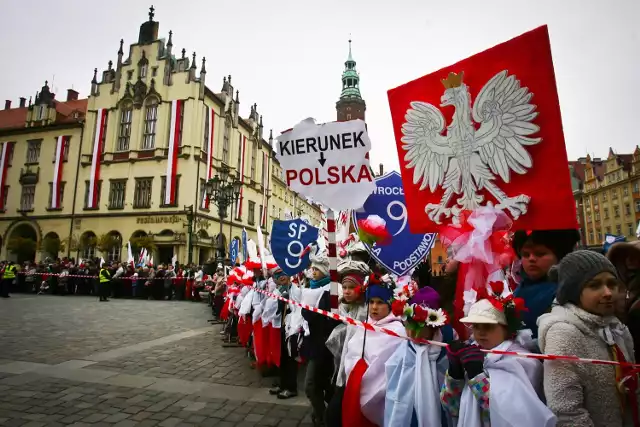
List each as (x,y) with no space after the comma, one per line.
(74,361)
(199,358)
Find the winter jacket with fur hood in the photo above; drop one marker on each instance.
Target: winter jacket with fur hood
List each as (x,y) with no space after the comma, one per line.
(580,394)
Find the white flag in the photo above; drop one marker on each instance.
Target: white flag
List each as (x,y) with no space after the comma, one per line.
(130,259)
(263,252)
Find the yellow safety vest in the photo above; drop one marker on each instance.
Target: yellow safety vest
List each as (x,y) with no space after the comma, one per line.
(10,272)
(104,276)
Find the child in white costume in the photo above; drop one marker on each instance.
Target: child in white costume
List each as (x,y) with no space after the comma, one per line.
(494,390)
(415,372)
(364,396)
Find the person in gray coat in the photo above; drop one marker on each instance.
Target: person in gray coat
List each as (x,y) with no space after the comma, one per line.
(583,324)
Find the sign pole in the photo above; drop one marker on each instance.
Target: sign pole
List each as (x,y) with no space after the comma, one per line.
(333,259)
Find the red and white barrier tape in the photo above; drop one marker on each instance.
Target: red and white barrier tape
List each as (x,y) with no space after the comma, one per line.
(370,327)
(84,276)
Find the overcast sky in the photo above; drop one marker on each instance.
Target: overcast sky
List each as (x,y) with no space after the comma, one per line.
(288,55)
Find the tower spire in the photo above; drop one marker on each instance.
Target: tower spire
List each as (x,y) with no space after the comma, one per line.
(350,106)
(350,78)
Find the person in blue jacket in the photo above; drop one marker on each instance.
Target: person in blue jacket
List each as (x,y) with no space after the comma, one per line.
(538,250)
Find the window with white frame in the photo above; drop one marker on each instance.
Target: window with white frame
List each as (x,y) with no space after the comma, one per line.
(117,191)
(33,151)
(115,252)
(252,213)
(150,122)
(27,197)
(142,193)
(254,158)
(41,112)
(239,165)
(205,143)
(124,129)
(225,142)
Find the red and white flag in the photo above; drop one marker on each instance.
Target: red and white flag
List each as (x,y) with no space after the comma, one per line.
(174,144)
(243,147)
(4,165)
(211,126)
(94,179)
(486,129)
(266,164)
(61,142)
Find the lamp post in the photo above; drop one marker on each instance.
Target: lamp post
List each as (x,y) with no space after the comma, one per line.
(188,210)
(223,190)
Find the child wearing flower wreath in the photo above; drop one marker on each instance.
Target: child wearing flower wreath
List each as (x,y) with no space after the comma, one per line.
(415,372)
(487,389)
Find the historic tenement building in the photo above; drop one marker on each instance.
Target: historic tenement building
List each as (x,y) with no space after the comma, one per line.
(82,177)
(608,200)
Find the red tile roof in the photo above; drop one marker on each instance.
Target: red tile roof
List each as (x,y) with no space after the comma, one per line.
(15,118)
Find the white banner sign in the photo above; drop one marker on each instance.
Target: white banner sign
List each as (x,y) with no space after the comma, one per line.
(328,162)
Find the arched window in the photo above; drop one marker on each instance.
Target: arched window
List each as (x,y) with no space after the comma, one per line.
(124,130)
(150,121)
(88,242)
(115,251)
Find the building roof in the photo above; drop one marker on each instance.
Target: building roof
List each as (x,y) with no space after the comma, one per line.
(15,118)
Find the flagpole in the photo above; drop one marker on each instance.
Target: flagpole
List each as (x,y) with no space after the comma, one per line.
(333,260)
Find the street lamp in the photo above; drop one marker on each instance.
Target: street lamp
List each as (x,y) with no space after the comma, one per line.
(189,212)
(223,191)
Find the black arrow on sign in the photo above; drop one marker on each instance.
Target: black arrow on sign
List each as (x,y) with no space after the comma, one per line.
(322,160)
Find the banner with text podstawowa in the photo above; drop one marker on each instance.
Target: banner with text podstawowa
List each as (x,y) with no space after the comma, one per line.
(327,162)
(485,130)
(407,249)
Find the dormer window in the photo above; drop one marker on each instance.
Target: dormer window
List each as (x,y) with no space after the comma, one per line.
(41,112)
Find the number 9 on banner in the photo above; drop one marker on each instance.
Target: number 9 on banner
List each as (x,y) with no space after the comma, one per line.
(288,242)
(402,217)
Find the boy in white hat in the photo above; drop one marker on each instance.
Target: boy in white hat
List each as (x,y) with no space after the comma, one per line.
(514,383)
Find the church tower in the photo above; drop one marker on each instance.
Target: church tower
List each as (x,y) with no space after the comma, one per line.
(350,106)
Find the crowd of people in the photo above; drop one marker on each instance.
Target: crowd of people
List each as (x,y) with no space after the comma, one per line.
(429,367)
(109,279)
(554,300)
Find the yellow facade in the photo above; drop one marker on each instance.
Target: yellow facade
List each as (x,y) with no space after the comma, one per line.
(611,198)
(137,97)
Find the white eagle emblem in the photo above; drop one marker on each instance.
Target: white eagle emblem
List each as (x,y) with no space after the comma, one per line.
(466,160)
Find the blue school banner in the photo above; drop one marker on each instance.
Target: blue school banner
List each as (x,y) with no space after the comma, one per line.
(406,250)
(244,245)
(234,248)
(289,239)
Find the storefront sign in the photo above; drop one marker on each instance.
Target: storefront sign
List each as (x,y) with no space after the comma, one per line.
(167,219)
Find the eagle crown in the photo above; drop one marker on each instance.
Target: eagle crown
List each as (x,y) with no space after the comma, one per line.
(453,80)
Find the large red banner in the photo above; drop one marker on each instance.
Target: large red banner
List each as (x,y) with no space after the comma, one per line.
(485,130)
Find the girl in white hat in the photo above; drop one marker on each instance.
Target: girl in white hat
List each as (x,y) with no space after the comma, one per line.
(483,390)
